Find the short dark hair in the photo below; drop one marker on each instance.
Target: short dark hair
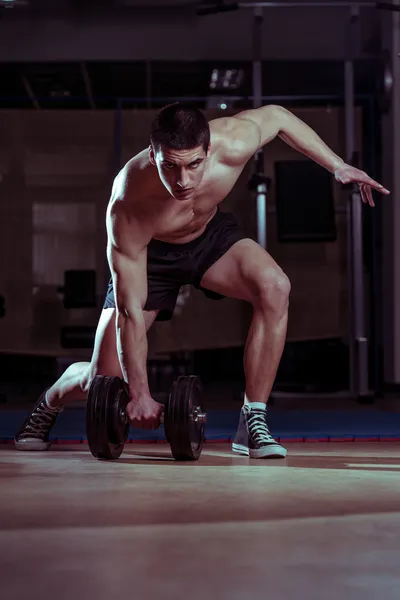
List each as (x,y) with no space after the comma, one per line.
(180,127)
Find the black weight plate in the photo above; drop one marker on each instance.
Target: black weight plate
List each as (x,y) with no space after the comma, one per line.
(106,427)
(184,434)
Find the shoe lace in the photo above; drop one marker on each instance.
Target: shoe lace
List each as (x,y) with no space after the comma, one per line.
(41,419)
(258,427)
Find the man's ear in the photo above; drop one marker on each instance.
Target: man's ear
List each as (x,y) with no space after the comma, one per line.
(151,155)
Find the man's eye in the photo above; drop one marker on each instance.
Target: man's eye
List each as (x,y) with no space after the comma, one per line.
(168,166)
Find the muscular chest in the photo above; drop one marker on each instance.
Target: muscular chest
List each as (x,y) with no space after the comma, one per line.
(183,219)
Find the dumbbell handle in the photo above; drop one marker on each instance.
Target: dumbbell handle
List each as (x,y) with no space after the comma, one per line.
(196,416)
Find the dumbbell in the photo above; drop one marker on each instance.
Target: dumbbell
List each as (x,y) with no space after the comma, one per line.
(107,425)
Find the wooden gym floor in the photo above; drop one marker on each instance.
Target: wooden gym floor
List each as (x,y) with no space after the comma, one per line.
(322,524)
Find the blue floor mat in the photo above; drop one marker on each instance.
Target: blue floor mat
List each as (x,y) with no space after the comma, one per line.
(221,425)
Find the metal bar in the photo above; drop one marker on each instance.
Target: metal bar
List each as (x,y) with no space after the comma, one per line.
(358,342)
(262,215)
(280,98)
(30,92)
(360,337)
(142,99)
(306,4)
(349,110)
(118,137)
(376,260)
(88,85)
(261,207)
(257,57)
(349,135)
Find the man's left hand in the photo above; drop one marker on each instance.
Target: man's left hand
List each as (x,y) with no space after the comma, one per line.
(348,174)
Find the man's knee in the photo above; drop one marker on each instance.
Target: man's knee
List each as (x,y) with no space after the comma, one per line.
(96,369)
(272,289)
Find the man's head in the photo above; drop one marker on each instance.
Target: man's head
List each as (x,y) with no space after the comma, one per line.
(180,141)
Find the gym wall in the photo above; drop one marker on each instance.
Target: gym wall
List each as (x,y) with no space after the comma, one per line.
(56,171)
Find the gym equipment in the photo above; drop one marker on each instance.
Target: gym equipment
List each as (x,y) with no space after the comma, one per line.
(107,426)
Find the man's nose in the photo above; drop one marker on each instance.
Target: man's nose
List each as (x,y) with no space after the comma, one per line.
(183,179)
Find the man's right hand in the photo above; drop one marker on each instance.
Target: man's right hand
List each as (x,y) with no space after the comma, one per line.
(144,412)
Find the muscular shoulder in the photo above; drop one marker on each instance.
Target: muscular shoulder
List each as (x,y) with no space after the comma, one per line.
(127,212)
(130,180)
(235,139)
(134,185)
(240,136)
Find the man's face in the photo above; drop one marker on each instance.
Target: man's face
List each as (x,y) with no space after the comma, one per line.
(181,171)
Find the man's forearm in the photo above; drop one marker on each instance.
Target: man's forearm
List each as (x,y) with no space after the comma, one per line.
(132,350)
(302,138)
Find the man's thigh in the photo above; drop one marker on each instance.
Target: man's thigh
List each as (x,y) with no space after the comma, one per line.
(241,271)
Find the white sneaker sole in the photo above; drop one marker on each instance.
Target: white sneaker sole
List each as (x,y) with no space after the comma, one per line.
(28,445)
(272,451)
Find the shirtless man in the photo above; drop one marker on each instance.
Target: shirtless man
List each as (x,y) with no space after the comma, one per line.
(165,230)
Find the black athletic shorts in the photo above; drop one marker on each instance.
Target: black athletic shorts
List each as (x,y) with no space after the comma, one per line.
(170,266)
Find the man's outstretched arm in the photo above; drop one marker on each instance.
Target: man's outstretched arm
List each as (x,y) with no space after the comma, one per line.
(275,121)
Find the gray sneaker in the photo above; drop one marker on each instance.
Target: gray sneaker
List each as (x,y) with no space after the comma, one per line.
(253,437)
(34,433)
